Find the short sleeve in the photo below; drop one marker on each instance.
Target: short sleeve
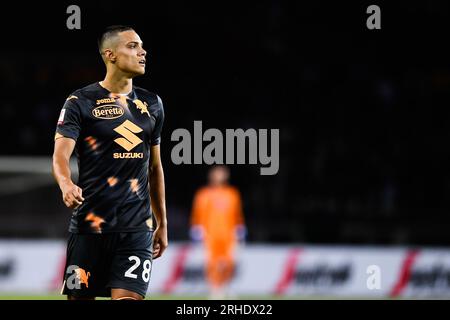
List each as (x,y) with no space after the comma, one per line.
(156,133)
(69,121)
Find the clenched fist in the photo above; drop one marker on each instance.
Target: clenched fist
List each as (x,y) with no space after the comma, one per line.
(72,195)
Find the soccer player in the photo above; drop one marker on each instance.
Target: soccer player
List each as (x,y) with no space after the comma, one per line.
(115,129)
(217,220)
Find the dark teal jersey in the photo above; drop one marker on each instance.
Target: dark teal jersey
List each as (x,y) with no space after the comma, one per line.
(113,135)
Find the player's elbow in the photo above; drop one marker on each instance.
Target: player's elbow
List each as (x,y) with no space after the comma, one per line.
(59,163)
(155,168)
(55,161)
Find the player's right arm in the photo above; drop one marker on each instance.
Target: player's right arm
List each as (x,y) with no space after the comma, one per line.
(71,193)
(67,132)
(196,231)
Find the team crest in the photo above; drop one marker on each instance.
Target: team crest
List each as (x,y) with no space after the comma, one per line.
(142,106)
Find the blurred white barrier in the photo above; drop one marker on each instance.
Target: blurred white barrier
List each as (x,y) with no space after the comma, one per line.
(302,270)
(31,266)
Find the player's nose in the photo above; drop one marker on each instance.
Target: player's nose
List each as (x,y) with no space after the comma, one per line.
(142,53)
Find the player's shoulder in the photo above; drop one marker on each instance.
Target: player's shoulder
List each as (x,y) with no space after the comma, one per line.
(150,97)
(203,191)
(233,190)
(87,93)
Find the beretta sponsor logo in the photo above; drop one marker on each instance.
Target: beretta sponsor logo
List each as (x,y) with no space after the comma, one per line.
(108,111)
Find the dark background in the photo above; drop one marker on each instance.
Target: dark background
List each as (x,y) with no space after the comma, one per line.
(362,114)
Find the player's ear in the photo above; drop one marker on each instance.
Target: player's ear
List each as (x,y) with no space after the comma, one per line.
(109,55)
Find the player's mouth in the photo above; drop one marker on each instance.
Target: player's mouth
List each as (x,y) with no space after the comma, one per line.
(142,62)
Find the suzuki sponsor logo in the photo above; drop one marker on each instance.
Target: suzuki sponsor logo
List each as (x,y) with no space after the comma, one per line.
(128,141)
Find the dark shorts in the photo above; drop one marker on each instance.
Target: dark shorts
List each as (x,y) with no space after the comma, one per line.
(97,263)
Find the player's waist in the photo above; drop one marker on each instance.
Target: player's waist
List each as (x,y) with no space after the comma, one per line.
(108,202)
(113,187)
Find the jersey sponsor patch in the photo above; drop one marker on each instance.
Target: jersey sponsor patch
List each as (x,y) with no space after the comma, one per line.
(61,116)
(108,112)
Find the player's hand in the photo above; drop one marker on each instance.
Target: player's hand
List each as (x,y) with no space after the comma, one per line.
(72,195)
(160,241)
(241,233)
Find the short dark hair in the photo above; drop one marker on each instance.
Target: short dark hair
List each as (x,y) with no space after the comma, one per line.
(109,32)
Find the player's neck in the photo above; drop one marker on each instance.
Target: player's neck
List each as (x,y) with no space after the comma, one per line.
(117,83)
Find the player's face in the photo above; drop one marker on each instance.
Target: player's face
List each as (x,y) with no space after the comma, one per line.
(130,54)
(218,176)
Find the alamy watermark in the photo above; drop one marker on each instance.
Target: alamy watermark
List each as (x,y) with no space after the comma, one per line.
(228,148)
(374,20)
(74,20)
(77,277)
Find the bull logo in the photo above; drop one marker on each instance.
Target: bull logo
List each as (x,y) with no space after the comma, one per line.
(78,276)
(83,276)
(142,106)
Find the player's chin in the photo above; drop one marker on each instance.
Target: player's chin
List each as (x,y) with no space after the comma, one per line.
(140,70)
(136,71)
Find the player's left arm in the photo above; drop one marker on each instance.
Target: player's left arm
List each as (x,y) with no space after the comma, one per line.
(240,228)
(158,201)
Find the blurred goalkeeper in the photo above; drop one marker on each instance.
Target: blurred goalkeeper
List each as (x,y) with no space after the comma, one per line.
(217,220)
